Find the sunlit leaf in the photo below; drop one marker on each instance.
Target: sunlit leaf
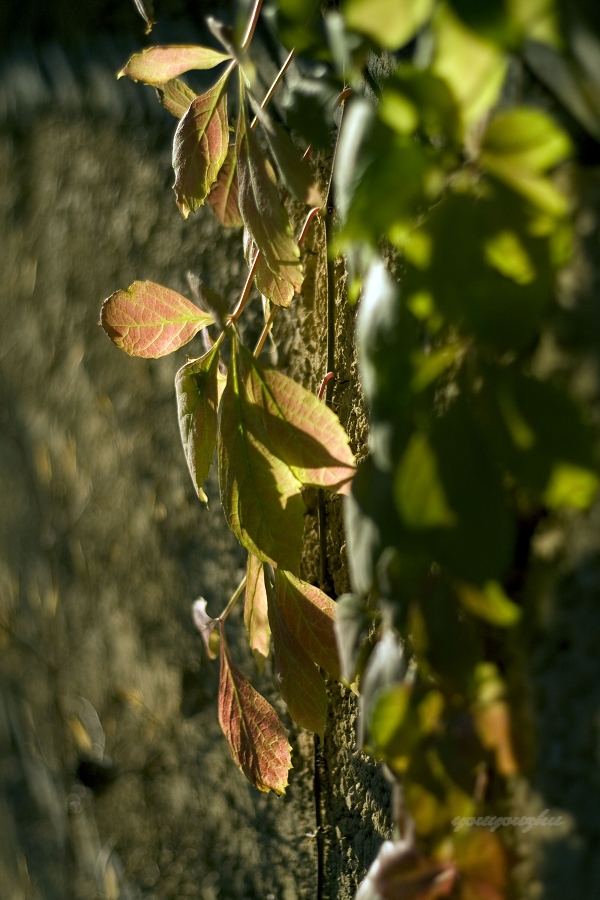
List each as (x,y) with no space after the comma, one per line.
(256,615)
(391,23)
(256,737)
(197,401)
(206,625)
(309,615)
(157,65)
(223,196)
(473,67)
(300,681)
(386,667)
(150,320)
(489,602)
(271,286)
(571,487)
(200,147)
(259,493)
(399,872)
(176,97)
(263,213)
(419,492)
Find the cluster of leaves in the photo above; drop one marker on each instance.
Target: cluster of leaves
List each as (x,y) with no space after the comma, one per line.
(272,437)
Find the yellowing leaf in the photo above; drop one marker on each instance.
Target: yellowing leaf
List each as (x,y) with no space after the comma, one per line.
(256,615)
(309,614)
(254,732)
(263,213)
(223,196)
(391,23)
(150,320)
(176,97)
(200,147)
(157,65)
(197,401)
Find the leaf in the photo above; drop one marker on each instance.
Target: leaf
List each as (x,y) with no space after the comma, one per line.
(260,495)
(571,487)
(309,614)
(200,147)
(157,65)
(482,865)
(254,732)
(387,666)
(489,602)
(296,426)
(399,872)
(197,401)
(352,624)
(176,97)
(420,494)
(149,320)
(294,170)
(271,286)
(256,616)
(223,196)
(263,213)
(391,23)
(300,681)
(206,626)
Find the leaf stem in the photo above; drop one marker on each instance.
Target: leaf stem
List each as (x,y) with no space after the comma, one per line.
(308,222)
(272,89)
(265,332)
(246,292)
(252,23)
(234,599)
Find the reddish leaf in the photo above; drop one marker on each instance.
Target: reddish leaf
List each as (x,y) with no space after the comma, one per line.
(223,196)
(260,494)
(196,390)
(399,872)
(156,65)
(255,611)
(263,213)
(309,616)
(271,286)
(205,625)
(150,320)
(297,427)
(300,681)
(176,97)
(255,735)
(200,147)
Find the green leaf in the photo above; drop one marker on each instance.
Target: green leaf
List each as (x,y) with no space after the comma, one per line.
(223,196)
(176,97)
(149,320)
(489,603)
(571,487)
(352,623)
(309,615)
(157,65)
(271,286)
(196,391)
(256,737)
(200,147)
(260,494)
(300,681)
(472,67)
(263,213)
(419,492)
(413,98)
(391,23)
(256,616)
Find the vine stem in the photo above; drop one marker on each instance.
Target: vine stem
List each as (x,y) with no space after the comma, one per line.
(274,86)
(252,23)
(246,292)
(234,599)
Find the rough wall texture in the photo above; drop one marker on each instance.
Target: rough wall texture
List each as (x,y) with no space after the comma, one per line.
(104,546)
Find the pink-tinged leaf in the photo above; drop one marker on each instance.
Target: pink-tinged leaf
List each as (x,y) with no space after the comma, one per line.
(263,212)
(156,65)
(301,684)
(196,389)
(206,626)
(254,732)
(149,320)
(223,195)
(256,615)
(294,170)
(296,427)
(176,97)
(309,615)
(399,872)
(200,147)
(271,286)
(260,495)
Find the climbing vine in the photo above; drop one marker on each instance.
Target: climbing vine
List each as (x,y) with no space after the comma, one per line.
(453,208)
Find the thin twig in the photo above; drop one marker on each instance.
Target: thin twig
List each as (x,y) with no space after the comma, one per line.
(234,599)
(252,23)
(265,332)
(246,292)
(273,88)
